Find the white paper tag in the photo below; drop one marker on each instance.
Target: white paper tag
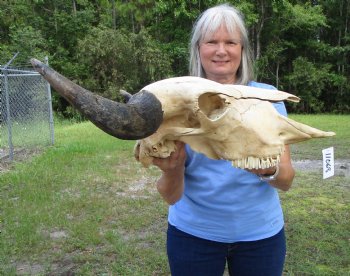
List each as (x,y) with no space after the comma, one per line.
(328,162)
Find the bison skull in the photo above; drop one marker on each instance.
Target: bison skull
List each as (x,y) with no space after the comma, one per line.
(231,122)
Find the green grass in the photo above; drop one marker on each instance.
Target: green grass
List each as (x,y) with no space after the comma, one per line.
(88,187)
(317,215)
(84,206)
(312,149)
(26,134)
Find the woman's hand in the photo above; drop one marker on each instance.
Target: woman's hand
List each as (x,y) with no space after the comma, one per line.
(171,183)
(285,175)
(174,162)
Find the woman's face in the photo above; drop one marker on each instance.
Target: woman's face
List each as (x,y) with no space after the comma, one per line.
(220,55)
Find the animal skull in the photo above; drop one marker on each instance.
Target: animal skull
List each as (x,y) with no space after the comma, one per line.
(231,122)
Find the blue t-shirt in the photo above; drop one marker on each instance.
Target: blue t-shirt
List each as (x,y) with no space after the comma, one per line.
(226,204)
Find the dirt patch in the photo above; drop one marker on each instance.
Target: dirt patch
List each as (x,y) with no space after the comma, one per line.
(142,188)
(19,155)
(29,269)
(342,166)
(58,235)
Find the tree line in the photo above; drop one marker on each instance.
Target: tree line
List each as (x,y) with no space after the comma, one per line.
(301,47)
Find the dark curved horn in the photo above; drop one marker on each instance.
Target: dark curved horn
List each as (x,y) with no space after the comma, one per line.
(137,119)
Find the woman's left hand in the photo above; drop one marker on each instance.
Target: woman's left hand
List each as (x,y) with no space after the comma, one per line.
(285,175)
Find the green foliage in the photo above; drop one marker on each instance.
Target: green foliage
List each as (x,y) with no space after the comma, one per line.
(306,18)
(112,60)
(308,88)
(27,41)
(153,39)
(107,59)
(153,63)
(135,14)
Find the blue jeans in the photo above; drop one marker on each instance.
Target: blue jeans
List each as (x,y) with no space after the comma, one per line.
(190,256)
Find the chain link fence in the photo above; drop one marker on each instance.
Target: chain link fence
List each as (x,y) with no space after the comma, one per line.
(26,120)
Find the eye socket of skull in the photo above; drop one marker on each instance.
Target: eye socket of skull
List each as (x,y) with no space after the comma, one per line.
(212,105)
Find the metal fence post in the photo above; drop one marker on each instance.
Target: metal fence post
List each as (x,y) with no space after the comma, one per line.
(8,115)
(50,108)
(8,110)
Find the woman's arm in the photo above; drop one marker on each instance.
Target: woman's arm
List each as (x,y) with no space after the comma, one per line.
(171,183)
(285,175)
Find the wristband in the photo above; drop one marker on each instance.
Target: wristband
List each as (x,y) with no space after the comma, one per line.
(264,177)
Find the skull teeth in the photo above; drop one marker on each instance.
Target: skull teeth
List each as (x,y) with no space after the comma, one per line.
(256,163)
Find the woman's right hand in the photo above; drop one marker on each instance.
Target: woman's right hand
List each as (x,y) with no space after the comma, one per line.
(176,160)
(171,183)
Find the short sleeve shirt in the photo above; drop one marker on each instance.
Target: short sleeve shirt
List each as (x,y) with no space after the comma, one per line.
(226,204)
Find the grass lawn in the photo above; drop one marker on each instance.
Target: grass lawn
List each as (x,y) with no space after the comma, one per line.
(84,206)
(312,149)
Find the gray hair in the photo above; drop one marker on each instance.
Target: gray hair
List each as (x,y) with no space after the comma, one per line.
(209,22)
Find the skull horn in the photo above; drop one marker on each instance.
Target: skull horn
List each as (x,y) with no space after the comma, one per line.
(138,118)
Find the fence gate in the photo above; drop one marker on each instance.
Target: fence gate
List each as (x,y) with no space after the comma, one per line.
(26,120)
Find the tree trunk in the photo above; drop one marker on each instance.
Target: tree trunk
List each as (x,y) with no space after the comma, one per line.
(259,28)
(114,16)
(74,7)
(277,74)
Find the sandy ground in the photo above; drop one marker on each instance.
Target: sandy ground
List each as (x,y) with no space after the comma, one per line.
(342,166)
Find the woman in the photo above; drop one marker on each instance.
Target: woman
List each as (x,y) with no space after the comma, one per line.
(219,213)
